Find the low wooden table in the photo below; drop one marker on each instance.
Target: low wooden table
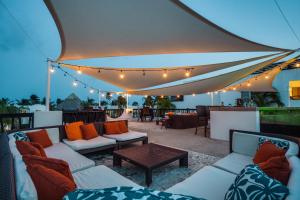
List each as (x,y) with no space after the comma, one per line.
(149,157)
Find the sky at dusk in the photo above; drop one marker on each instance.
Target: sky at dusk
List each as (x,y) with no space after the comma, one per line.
(28,36)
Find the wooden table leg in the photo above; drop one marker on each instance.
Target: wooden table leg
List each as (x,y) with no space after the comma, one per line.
(148,176)
(117,161)
(184,162)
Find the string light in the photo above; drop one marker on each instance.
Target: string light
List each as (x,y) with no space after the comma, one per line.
(248,84)
(216,92)
(162,96)
(224,91)
(79,71)
(208,93)
(178,96)
(165,75)
(102,95)
(187,72)
(91,91)
(193,94)
(146,96)
(122,75)
(75,84)
(234,88)
(52,70)
(266,77)
(298,65)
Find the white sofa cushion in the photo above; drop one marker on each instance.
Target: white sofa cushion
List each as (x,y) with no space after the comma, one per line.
(88,144)
(130,135)
(234,162)
(240,139)
(294,180)
(75,160)
(100,177)
(209,183)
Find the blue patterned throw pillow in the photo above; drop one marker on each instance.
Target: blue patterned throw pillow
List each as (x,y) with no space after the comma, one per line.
(279,143)
(253,183)
(128,193)
(20,136)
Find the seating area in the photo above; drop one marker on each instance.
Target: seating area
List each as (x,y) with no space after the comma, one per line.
(216,181)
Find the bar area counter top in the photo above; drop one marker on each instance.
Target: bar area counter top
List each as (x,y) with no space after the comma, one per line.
(222,119)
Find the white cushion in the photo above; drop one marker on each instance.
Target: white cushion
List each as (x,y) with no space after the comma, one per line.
(130,135)
(209,183)
(247,144)
(88,144)
(234,162)
(294,180)
(75,160)
(100,177)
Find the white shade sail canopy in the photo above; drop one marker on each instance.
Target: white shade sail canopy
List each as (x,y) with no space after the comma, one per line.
(105,28)
(204,85)
(262,82)
(138,78)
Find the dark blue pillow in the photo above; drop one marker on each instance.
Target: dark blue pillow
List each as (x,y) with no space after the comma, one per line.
(20,136)
(279,143)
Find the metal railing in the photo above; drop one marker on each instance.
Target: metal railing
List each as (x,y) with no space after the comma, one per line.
(114,113)
(15,121)
(85,116)
(162,112)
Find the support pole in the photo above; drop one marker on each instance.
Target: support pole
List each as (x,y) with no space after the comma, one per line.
(127,101)
(99,99)
(212,98)
(48,85)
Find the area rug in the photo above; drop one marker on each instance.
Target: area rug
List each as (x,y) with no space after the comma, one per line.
(163,177)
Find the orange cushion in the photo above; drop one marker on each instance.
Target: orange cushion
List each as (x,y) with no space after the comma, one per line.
(40,137)
(278,168)
(266,151)
(88,131)
(123,127)
(60,166)
(50,184)
(112,128)
(26,148)
(73,131)
(40,148)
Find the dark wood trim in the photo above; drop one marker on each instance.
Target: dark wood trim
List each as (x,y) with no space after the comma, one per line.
(231,131)
(97,149)
(144,140)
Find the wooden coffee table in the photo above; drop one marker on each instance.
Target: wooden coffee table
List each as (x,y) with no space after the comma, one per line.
(149,157)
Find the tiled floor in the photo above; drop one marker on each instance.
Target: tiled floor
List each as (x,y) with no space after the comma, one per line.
(183,138)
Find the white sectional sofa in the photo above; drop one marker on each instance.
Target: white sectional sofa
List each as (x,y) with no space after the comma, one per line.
(212,182)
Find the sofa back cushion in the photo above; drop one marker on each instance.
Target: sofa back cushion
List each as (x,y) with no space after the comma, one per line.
(73,130)
(123,127)
(41,137)
(247,144)
(112,128)
(7,179)
(294,180)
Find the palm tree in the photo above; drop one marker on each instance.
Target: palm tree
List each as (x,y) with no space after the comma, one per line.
(135,103)
(149,101)
(164,103)
(264,99)
(121,102)
(34,99)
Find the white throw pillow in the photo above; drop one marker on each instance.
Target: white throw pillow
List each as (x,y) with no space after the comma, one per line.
(294,181)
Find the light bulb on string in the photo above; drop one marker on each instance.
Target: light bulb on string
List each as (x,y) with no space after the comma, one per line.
(122,75)
(178,96)
(52,70)
(144,73)
(187,73)
(79,71)
(266,77)
(298,65)
(208,93)
(193,94)
(234,88)
(75,83)
(165,74)
(91,91)
(248,84)
(145,96)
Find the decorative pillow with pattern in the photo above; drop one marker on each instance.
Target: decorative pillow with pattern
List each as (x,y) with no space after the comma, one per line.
(128,193)
(21,136)
(279,143)
(253,183)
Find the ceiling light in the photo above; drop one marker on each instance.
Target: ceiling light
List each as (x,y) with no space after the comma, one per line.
(234,88)
(162,96)
(208,93)
(298,65)
(187,73)
(146,96)
(267,77)
(102,95)
(165,75)
(79,71)
(248,84)
(52,70)
(178,96)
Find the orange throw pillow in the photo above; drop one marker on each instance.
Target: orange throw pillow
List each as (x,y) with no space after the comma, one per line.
(40,137)
(278,168)
(26,148)
(73,131)
(266,151)
(60,166)
(88,131)
(123,127)
(40,148)
(112,128)
(50,184)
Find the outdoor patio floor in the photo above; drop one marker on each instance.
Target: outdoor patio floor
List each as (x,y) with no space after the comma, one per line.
(183,139)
